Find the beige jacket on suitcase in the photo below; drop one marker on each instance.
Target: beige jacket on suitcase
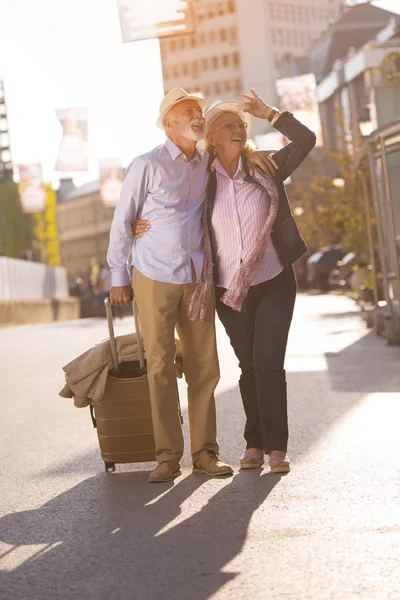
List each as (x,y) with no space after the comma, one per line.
(86,375)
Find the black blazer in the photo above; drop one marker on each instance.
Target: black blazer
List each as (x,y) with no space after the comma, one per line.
(285,235)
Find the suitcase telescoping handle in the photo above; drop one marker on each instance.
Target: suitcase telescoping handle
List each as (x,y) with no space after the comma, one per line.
(114,354)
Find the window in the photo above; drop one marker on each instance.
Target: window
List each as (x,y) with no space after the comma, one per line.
(202,38)
(234,37)
(274,37)
(225,60)
(289,37)
(175,71)
(272,10)
(228,86)
(204,64)
(236,59)
(183,43)
(221,10)
(238,86)
(281,39)
(195,67)
(215,62)
(217,88)
(277,61)
(211,14)
(223,35)
(231,7)
(173,45)
(192,42)
(212,36)
(185,70)
(279,12)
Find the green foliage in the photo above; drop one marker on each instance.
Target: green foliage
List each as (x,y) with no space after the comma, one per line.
(332,214)
(15,226)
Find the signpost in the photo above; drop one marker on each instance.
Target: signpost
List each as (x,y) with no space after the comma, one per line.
(146,19)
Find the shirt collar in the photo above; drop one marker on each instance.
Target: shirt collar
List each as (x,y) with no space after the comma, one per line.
(216,166)
(175,152)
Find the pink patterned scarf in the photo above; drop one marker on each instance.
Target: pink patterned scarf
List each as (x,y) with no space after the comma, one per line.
(244,276)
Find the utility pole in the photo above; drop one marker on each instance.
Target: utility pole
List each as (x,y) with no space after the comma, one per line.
(6,169)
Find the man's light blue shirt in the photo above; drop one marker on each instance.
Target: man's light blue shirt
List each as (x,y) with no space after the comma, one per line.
(168,190)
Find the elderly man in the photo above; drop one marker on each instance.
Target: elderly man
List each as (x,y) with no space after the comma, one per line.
(168,187)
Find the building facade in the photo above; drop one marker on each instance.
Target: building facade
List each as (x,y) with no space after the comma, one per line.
(359,94)
(243,44)
(84,227)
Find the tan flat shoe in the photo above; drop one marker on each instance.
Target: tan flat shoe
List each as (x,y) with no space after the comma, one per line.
(253,458)
(278,464)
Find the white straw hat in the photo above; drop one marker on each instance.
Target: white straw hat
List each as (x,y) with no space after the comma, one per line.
(172,99)
(220,106)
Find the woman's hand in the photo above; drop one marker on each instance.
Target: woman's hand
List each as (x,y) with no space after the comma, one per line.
(139,228)
(256,106)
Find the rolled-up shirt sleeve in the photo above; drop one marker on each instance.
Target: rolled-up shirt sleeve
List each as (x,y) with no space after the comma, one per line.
(133,193)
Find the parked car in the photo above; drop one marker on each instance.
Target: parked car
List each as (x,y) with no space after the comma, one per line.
(320,265)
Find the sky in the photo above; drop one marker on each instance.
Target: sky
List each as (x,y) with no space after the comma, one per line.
(69,53)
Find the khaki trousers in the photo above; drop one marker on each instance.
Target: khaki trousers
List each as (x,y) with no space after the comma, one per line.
(162,307)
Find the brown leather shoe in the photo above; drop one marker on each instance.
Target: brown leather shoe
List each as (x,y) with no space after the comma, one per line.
(253,458)
(165,471)
(209,463)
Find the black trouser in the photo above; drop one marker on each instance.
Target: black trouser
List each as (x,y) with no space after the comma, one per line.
(258,334)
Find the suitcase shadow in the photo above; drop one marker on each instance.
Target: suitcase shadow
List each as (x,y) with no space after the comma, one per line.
(121,537)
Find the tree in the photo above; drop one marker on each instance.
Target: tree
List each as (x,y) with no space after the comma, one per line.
(15,226)
(332,210)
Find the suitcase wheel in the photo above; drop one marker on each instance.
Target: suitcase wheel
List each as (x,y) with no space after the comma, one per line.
(109,466)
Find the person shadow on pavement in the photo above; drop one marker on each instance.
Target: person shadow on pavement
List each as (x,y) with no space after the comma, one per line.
(116,537)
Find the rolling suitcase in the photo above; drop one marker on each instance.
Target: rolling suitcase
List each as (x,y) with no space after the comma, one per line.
(123,417)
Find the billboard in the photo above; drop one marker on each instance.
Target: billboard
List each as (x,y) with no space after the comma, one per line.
(298,96)
(145,19)
(112,176)
(31,189)
(73,151)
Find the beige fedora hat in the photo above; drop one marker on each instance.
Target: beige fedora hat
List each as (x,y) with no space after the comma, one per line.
(172,99)
(220,106)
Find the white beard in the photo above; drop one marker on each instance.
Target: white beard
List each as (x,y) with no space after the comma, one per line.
(190,134)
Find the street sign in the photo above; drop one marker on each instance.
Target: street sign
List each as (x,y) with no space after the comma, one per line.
(145,19)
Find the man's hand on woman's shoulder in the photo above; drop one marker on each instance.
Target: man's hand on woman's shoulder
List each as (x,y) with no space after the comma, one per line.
(262,159)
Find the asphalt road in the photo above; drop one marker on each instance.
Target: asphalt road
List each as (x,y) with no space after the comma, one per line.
(328,530)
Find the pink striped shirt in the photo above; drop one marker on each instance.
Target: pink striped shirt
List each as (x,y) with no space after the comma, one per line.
(239,213)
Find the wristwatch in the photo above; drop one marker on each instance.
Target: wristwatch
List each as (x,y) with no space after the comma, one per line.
(274,111)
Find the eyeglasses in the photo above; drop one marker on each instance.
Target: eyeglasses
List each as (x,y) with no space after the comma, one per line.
(231,126)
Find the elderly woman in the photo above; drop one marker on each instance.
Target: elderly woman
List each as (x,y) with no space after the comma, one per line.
(251,241)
